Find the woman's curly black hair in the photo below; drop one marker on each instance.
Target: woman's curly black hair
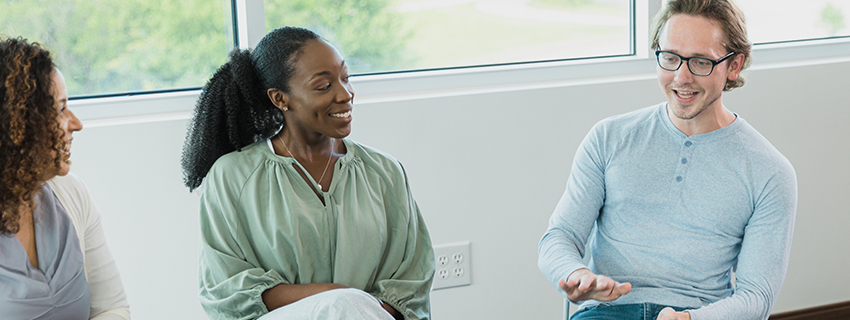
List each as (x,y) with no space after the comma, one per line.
(234,110)
(30,135)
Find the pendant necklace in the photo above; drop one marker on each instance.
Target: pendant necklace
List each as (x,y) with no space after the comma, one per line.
(319,182)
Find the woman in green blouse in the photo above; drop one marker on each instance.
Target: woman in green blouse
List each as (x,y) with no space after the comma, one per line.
(296,219)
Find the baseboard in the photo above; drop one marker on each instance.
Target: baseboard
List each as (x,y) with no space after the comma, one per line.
(835,311)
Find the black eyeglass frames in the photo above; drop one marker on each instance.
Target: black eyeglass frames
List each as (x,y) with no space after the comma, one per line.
(699,66)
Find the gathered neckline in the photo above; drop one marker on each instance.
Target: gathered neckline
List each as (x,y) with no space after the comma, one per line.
(269,152)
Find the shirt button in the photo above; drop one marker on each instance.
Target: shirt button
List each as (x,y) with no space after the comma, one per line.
(684,161)
(688,143)
(679,178)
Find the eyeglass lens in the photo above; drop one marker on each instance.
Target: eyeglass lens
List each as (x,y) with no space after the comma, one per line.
(672,62)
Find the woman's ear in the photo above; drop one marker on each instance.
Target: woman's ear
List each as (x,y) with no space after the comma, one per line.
(279,99)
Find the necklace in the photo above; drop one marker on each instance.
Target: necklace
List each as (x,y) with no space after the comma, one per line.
(319,182)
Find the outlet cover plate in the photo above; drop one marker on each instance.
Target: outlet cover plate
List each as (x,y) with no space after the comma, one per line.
(453,265)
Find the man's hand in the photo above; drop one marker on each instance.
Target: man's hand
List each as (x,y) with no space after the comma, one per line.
(585,285)
(670,314)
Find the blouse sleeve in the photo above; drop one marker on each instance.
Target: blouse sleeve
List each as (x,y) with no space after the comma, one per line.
(408,289)
(108,301)
(230,286)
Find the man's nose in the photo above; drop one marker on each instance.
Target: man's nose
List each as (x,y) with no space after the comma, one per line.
(684,75)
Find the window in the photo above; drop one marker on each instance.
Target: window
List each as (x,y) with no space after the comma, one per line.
(116,48)
(399,35)
(790,20)
(108,47)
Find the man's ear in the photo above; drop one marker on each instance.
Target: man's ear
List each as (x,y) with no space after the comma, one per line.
(735,66)
(279,99)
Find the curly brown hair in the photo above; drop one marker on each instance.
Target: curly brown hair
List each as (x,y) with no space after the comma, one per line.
(31,139)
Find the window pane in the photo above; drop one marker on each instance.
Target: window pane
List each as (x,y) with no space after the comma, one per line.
(787,20)
(112,46)
(394,35)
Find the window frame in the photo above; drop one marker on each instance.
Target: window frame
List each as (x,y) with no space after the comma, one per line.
(412,85)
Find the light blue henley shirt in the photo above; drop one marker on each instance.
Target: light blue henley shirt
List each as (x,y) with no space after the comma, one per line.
(677,215)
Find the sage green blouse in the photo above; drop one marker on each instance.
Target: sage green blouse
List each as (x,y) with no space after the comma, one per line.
(262,225)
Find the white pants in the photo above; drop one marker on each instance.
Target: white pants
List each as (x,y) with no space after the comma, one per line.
(342,304)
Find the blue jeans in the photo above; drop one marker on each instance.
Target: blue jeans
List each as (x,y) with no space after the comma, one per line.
(638,311)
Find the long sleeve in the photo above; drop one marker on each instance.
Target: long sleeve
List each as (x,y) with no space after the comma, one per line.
(108,300)
(562,247)
(763,260)
(230,286)
(676,214)
(263,225)
(408,287)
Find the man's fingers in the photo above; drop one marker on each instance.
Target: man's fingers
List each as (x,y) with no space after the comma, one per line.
(580,290)
(577,289)
(590,286)
(565,286)
(667,314)
(569,289)
(610,290)
(605,284)
(604,290)
(568,286)
(587,282)
(623,288)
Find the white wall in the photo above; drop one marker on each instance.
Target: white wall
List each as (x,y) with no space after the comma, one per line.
(486,168)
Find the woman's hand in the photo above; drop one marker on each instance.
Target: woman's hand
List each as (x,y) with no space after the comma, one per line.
(392,311)
(284,294)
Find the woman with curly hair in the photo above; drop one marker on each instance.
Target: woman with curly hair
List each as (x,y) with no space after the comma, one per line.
(54,262)
(296,218)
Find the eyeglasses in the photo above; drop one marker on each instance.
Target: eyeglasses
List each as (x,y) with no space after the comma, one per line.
(699,66)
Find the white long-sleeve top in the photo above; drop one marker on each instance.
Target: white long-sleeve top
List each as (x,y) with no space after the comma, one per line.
(108,301)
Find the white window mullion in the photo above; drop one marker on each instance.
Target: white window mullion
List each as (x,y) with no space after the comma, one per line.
(251,21)
(645,11)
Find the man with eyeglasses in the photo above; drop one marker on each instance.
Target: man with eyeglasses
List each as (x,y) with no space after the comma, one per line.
(680,197)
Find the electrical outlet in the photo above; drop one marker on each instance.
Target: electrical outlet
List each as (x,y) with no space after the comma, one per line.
(452,265)
(458,272)
(457,258)
(442,261)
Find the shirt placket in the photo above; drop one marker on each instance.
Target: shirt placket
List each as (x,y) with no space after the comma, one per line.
(680,176)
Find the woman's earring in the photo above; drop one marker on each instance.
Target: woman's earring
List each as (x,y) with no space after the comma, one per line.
(285,109)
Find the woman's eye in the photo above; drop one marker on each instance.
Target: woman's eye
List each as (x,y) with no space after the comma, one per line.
(345,79)
(326,87)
